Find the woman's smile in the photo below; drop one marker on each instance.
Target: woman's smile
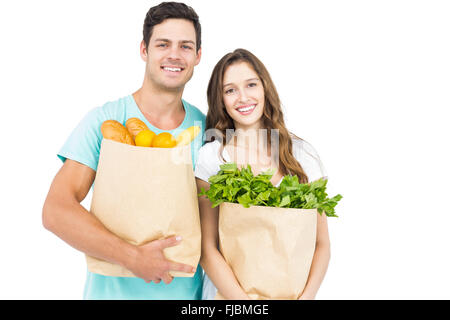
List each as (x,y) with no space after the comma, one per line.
(247,109)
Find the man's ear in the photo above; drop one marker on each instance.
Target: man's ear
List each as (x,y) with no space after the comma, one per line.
(143,51)
(199,56)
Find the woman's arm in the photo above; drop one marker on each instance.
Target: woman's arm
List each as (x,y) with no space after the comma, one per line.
(211,259)
(320,260)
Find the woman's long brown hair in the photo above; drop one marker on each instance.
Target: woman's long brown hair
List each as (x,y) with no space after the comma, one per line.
(218,118)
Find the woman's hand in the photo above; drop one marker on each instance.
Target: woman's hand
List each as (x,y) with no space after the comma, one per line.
(307,296)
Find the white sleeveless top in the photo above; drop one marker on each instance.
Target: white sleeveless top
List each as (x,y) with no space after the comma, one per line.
(209,162)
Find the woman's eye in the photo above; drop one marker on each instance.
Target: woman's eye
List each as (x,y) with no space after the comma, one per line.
(252,85)
(229,91)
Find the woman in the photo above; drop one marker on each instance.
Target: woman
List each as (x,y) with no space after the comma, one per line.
(243,103)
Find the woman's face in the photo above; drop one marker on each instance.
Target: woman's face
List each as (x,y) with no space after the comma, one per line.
(243,96)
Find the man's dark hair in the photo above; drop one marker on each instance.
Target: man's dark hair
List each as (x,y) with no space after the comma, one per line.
(171,10)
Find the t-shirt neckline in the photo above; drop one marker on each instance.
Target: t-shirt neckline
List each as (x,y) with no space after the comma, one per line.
(154,128)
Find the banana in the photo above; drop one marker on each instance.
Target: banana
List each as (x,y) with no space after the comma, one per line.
(187,136)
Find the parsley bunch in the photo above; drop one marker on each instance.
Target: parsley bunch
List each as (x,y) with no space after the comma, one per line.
(240,186)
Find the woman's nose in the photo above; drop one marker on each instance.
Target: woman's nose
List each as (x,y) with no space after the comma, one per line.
(243,97)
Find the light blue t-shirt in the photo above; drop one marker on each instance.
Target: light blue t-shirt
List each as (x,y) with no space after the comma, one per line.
(83,146)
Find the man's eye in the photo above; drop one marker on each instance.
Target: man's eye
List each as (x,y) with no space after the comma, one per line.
(187,47)
(162,45)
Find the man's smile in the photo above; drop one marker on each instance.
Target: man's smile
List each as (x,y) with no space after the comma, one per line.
(172,69)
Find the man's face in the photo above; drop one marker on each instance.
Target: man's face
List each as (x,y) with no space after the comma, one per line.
(171,55)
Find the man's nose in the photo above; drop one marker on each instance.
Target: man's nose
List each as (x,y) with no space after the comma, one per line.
(174,53)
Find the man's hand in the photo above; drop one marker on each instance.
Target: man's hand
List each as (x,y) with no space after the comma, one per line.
(150,263)
(68,219)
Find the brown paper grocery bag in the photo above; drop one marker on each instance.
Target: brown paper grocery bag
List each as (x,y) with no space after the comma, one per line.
(269,249)
(145,194)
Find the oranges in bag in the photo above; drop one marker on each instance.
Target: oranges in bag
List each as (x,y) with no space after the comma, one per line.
(137,133)
(145,138)
(164,140)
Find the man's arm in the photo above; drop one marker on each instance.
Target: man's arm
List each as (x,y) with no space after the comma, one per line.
(63,215)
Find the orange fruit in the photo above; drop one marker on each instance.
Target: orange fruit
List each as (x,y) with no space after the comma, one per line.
(164,140)
(145,138)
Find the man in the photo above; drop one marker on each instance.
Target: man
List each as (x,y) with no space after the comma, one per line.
(171,48)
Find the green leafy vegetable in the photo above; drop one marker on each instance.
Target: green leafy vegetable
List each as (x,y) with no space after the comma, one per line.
(240,186)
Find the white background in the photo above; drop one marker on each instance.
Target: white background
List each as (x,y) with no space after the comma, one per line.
(365,82)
